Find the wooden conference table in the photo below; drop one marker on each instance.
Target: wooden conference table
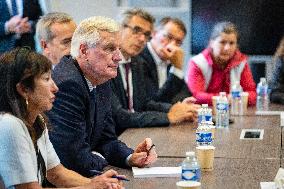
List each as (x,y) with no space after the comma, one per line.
(237,163)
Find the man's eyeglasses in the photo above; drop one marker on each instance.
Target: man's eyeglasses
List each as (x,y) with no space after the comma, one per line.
(139,31)
(170,37)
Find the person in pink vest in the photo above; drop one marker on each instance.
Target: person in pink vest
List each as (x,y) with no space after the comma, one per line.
(219,66)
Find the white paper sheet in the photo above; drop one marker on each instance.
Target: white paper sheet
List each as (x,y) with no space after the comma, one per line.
(282,119)
(267,185)
(156,172)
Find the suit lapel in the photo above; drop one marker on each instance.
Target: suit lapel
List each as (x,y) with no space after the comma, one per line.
(151,66)
(135,82)
(121,90)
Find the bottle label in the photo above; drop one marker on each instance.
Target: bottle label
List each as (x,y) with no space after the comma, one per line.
(236,94)
(191,174)
(204,118)
(222,106)
(262,91)
(203,137)
(208,117)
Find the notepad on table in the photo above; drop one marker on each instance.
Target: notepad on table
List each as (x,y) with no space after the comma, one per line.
(156,172)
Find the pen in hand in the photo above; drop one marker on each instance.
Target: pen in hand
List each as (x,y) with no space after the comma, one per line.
(95,172)
(148,151)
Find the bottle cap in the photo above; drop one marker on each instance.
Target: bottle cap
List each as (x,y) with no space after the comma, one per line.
(190,153)
(263,80)
(222,93)
(204,105)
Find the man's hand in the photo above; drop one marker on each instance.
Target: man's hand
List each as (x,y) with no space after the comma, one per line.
(180,112)
(105,181)
(189,100)
(24,26)
(13,23)
(175,55)
(142,156)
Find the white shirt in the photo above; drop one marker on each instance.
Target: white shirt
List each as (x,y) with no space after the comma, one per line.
(18,160)
(90,85)
(162,67)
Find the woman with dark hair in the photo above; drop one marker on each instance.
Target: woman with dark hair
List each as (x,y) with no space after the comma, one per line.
(277,78)
(27,157)
(220,66)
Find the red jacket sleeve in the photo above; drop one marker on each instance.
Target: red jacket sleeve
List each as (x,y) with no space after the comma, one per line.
(248,84)
(196,84)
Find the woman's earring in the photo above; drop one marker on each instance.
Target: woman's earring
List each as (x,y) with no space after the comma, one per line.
(27,102)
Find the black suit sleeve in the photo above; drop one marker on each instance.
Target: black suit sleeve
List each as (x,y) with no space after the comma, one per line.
(170,89)
(277,82)
(115,151)
(69,133)
(126,119)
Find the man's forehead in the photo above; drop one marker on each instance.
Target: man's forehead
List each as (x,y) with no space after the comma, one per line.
(141,22)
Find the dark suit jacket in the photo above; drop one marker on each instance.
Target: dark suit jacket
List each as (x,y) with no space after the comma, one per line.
(82,124)
(173,90)
(277,81)
(31,9)
(148,113)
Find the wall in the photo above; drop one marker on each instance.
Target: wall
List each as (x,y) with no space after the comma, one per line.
(112,8)
(81,9)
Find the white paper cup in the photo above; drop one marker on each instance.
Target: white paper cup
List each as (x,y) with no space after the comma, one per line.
(244,97)
(205,157)
(188,185)
(214,103)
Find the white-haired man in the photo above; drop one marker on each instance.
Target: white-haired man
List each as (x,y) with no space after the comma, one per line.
(83,131)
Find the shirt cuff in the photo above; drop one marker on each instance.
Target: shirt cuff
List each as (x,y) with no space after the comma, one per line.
(6,28)
(177,72)
(127,160)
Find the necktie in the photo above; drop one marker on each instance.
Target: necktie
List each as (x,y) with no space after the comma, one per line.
(93,103)
(14,7)
(129,97)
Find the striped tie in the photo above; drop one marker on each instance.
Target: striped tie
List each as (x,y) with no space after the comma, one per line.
(14,7)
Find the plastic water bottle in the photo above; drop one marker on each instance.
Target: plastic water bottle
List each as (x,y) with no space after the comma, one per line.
(222,115)
(204,134)
(204,114)
(236,104)
(262,100)
(190,168)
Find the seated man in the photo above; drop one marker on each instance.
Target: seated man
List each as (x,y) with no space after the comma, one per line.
(130,104)
(54,32)
(164,59)
(83,132)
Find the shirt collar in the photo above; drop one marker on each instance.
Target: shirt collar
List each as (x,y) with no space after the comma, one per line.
(91,87)
(124,61)
(155,56)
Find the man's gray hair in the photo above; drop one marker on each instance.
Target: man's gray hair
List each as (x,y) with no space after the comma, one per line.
(43,27)
(129,13)
(88,32)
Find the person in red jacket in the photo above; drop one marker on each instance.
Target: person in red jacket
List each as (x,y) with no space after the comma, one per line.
(219,66)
